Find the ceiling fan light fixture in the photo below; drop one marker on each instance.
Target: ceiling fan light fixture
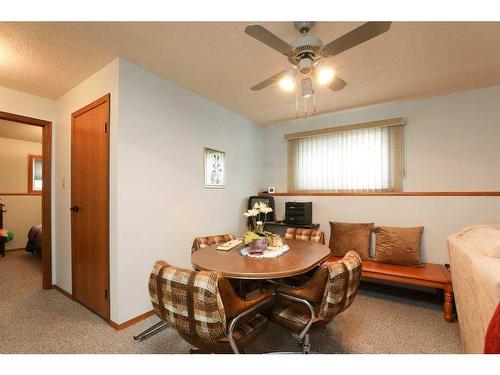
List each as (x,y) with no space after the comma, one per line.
(305,65)
(287,83)
(325,75)
(305,54)
(306,87)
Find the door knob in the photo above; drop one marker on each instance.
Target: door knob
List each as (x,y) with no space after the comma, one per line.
(74,208)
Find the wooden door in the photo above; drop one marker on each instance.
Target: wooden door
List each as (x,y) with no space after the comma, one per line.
(90,206)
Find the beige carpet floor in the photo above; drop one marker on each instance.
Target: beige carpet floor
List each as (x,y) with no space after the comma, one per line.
(380,320)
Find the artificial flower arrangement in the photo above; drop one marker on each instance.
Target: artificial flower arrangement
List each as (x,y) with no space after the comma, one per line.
(258,238)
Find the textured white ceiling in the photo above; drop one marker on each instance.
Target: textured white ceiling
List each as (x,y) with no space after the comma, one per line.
(22,132)
(219,61)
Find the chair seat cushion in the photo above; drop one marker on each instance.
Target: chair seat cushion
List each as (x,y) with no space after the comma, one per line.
(290,316)
(248,327)
(244,334)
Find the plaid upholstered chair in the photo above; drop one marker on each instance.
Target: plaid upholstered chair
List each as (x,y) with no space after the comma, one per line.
(312,235)
(201,242)
(330,291)
(204,309)
(198,243)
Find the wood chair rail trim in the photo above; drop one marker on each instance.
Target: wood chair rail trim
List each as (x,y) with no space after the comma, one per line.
(392,194)
(19,194)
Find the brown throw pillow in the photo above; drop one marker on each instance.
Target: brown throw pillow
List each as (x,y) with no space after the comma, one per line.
(398,245)
(345,237)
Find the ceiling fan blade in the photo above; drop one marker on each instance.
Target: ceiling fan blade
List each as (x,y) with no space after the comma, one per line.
(357,36)
(269,81)
(265,36)
(337,84)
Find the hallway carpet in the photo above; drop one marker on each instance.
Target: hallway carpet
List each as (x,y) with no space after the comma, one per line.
(33,320)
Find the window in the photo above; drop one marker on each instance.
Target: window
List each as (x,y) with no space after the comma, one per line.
(355,158)
(35,184)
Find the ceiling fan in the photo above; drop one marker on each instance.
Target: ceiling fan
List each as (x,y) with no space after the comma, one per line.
(306,52)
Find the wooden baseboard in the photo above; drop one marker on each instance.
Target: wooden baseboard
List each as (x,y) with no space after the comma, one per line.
(132,321)
(67,294)
(116,326)
(20,248)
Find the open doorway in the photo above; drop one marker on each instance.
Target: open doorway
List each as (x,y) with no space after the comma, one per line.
(25,193)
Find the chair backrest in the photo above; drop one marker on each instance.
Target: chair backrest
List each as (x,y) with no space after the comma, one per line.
(342,285)
(313,235)
(201,242)
(188,300)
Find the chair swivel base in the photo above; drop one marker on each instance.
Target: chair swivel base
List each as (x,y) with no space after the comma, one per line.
(153,330)
(199,351)
(304,344)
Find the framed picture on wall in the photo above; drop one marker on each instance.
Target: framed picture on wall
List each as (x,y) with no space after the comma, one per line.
(215,169)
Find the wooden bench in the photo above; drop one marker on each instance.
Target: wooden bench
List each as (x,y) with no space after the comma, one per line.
(431,275)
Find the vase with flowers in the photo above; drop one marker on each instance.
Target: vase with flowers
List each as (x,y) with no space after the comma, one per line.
(258,239)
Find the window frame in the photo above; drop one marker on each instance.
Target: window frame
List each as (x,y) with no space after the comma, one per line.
(31,160)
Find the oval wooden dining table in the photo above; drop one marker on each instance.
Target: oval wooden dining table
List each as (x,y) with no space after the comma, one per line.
(302,257)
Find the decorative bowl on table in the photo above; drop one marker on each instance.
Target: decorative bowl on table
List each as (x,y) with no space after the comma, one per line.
(258,246)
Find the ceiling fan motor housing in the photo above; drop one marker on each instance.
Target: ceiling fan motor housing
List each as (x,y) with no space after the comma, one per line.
(306,47)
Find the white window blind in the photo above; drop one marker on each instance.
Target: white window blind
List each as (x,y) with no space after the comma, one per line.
(356,158)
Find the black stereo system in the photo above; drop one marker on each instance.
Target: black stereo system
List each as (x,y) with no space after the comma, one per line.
(298,213)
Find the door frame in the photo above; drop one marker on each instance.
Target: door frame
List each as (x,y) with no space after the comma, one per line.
(88,107)
(46,192)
